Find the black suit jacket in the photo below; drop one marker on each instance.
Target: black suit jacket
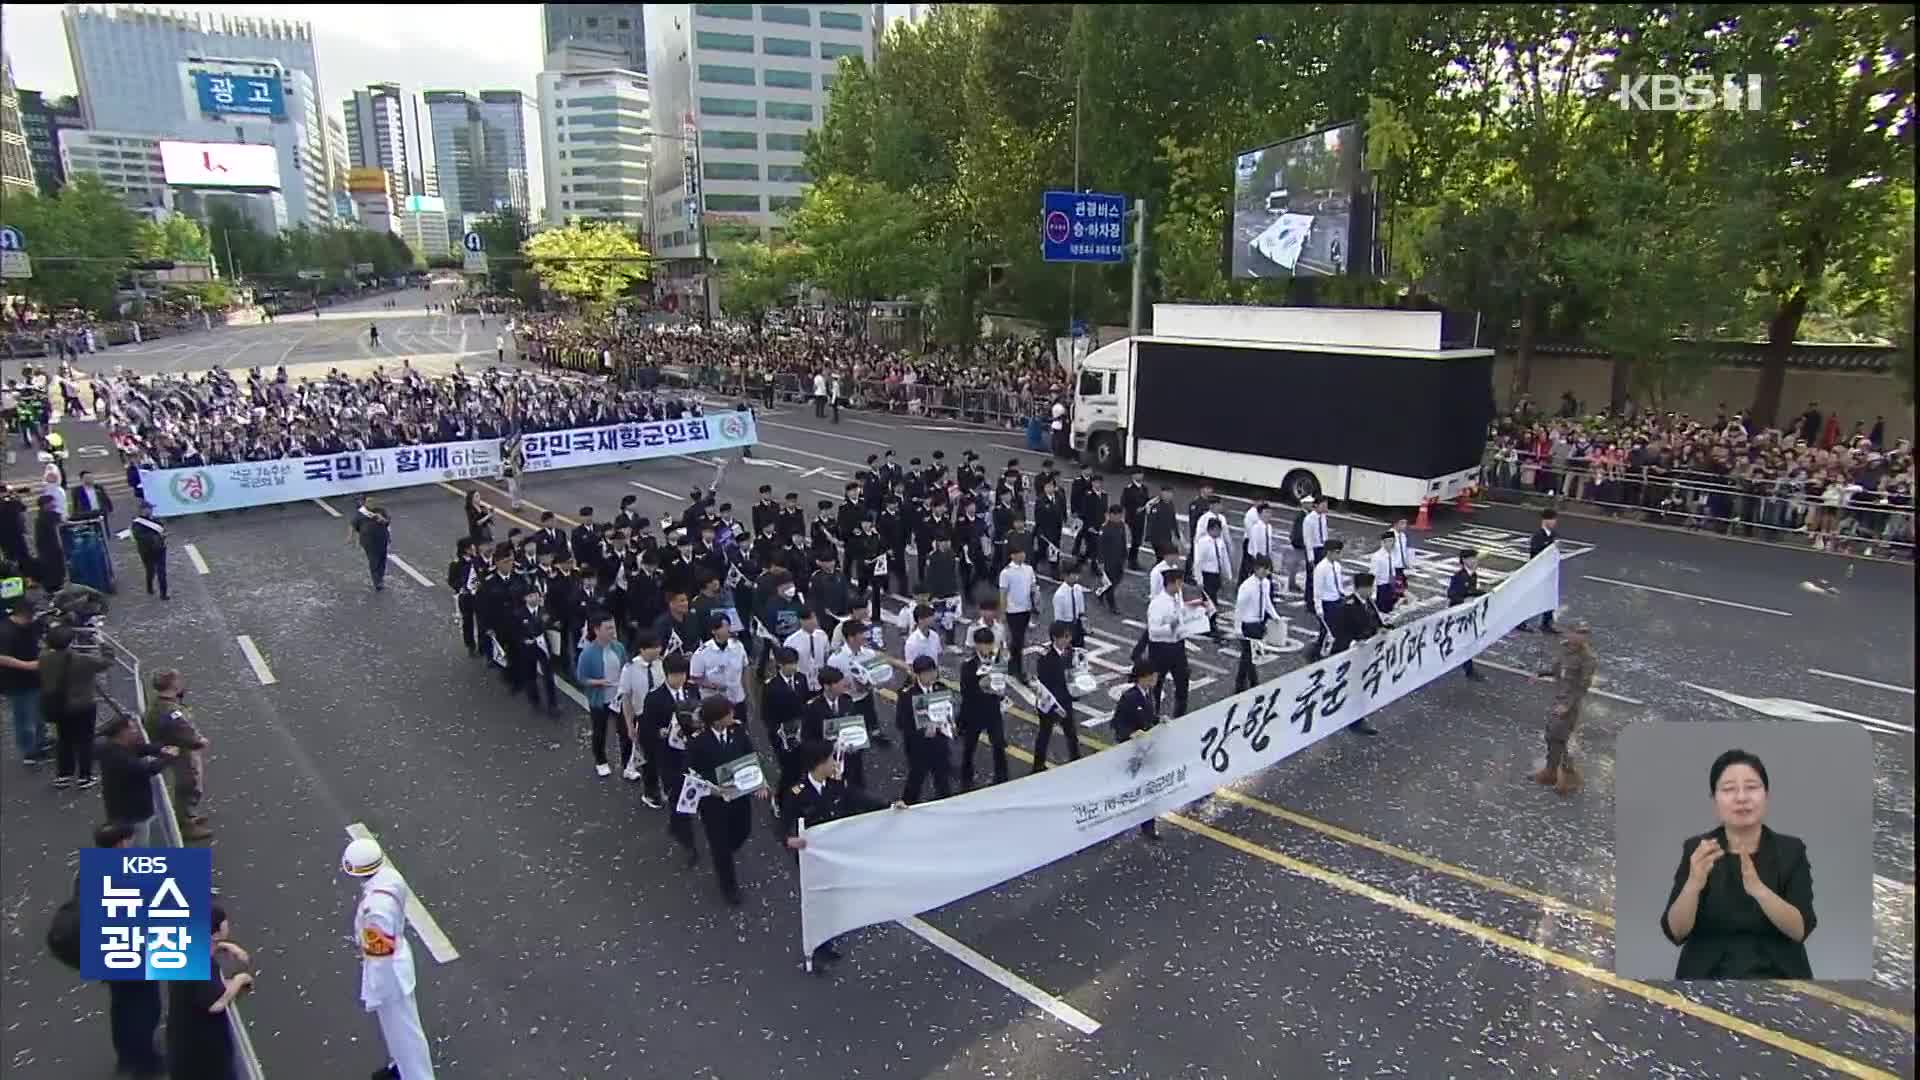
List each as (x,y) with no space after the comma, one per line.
(1540,542)
(79,497)
(1732,937)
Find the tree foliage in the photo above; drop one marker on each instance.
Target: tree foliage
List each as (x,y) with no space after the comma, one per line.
(859,241)
(501,234)
(179,238)
(591,264)
(80,241)
(755,278)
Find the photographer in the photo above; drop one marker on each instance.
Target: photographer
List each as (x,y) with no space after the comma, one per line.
(67,700)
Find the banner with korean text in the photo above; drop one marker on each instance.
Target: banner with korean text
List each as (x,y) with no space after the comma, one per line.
(890,865)
(205,488)
(548,450)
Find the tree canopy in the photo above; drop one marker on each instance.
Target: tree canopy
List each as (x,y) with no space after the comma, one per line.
(589,263)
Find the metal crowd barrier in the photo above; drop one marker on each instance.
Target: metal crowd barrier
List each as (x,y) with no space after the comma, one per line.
(979,405)
(1770,510)
(168,830)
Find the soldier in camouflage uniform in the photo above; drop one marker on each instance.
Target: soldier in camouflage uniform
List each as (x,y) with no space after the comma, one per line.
(170,724)
(1574,674)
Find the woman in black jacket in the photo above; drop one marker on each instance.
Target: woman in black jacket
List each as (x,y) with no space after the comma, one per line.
(1742,899)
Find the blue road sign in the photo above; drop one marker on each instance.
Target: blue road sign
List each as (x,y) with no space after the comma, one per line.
(1083,226)
(473,242)
(240,95)
(12,239)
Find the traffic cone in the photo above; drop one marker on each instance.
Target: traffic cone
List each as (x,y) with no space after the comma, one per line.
(1422,521)
(1464,504)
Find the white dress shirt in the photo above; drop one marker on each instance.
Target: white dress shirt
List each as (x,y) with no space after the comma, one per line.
(1402,551)
(1210,556)
(1017,582)
(1328,581)
(1254,602)
(721,669)
(999,629)
(1163,618)
(922,643)
(1070,603)
(637,680)
(1200,527)
(812,648)
(854,665)
(1259,537)
(1381,563)
(1314,531)
(1157,578)
(1250,519)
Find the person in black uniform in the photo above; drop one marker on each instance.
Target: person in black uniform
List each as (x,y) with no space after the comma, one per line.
(373,525)
(150,539)
(668,718)
(1137,712)
(1543,538)
(1195,511)
(830,704)
(1463,586)
(1115,557)
(722,739)
(1093,515)
(463,574)
(532,664)
(1163,522)
(784,703)
(493,604)
(827,591)
(1054,666)
(929,752)
(1357,620)
(1133,504)
(818,796)
(980,702)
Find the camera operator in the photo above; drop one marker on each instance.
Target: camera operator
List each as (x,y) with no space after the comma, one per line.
(20,678)
(67,672)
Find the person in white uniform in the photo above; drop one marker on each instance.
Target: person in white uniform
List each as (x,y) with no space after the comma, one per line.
(386,961)
(1329,586)
(1380,564)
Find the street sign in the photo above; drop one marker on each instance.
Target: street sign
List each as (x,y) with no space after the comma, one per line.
(363,268)
(474,243)
(475,260)
(12,239)
(1083,226)
(15,264)
(312,275)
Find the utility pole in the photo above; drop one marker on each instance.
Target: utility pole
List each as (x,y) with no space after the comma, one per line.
(1073,269)
(1139,267)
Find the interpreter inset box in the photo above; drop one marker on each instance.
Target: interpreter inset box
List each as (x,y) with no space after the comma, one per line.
(1743,850)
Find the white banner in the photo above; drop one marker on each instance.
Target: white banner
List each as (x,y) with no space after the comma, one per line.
(206,488)
(610,445)
(886,866)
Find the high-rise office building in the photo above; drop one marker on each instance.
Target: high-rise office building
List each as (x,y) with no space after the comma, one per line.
(597,146)
(128,163)
(376,131)
(16,162)
(43,119)
(617,27)
(507,119)
(459,150)
(142,71)
(752,80)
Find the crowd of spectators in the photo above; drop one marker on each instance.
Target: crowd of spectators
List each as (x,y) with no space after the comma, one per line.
(1807,481)
(172,421)
(67,335)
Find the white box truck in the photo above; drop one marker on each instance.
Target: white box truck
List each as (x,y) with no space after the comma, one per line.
(1362,405)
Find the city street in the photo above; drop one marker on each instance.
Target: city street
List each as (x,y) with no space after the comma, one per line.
(1404,905)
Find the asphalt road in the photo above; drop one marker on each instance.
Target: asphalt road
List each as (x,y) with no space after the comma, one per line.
(1408,904)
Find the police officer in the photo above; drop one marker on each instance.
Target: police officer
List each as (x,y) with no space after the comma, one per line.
(820,796)
(1574,673)
(386,961)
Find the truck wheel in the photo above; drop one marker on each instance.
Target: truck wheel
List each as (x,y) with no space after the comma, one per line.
(1299,486)
(1105,450)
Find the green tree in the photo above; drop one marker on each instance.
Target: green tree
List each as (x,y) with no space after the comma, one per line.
(590,264)
(859,241)
(754,279)
(80,241)
(501,234)
(242,250)
(179,238)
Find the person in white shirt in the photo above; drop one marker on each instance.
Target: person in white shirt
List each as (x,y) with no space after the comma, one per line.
(1070,604)
(833,397)
(1212,563)
(1252,607)
(1156,584)
(923,639)
(1016,596)
(1258,539)
(1166,648)
(1380,564)
(820,394)
(860,609)
(1402,558)
(811,643)
(855,657)
(1061,445)
(1314,531)
(990,619)
(719,666)
(637,680)
(1329,584)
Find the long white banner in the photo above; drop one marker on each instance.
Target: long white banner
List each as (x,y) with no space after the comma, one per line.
(202,489)
(580,447)
(890,865)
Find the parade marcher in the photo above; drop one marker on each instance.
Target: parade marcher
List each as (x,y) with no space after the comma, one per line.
(530,653)
(1358,620)
(669,719)
(923,639)
(1166,639)
(1574,673)
(1055,695)
(812,646)
(866,670)
(1163,521)
(1257,540)
(674,629)
(1133,505)
(1017,595)
(637,680)
(373,528)
(820,796)
(782,703)
(723,741)
(1070,603)
(1197,510)
(1380,564)
(387,981)
(598,670)
(494,609)
(150,540)
(983,688)
(926,717)
(464,574)
(1543,538)
(824,717)
(1137,712)
(1329,585)
(479,519)
(1115,557)
(1315,532)
(1402,558)
(719,665)
(1253,610)
(827,591)
(1214,564)
(1463,586)
(1294,557)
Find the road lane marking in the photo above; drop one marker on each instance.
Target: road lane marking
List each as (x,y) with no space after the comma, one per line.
(1045,1002)
(424,927)
(1596,691)
(655,490)
(809,453)
(259,663)
(1539,953)
(199,564)
(1907,690)
(1789,709)
(327,506)
(1689,596)
(827,434)
(409,571)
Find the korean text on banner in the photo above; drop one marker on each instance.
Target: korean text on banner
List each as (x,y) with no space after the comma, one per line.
(146,913)
(580,447)
(883,867)
(205,488)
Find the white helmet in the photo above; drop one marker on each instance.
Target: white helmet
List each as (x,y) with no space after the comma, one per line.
(363,858)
